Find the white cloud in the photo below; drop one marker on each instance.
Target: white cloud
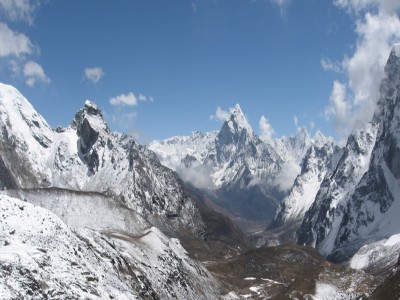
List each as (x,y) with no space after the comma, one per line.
(126,120)
(19,10)
(194,7)
(34,72)
(199,175)
(13,43)
(94,74)
(329,65)
(377,28)
(339,108)
(282,5)
(220,115)
(287,175)
(266,130)
(296,121)
(281,2)
(145,98)
(124,99)
(360,6)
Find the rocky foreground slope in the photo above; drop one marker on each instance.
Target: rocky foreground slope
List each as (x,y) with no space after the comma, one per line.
(61,244)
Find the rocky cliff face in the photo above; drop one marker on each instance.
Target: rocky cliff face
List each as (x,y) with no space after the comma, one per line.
(359,203)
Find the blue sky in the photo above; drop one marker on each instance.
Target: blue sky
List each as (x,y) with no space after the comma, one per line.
(160,68)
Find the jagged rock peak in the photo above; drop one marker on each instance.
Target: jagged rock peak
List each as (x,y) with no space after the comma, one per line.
(392,68)
(320,139)
(90,114)
(303,133)
(389,85)
(89,125)
(92,109)
(237,120)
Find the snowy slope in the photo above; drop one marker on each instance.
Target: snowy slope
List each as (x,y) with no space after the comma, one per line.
(293,148)
(326,213)
(320,160)
(361,203)
(25,139)
(86,156)
(43,257)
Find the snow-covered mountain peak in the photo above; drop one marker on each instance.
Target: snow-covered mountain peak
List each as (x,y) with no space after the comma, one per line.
(91,114)
(396,49)
(237,121)
(89,125)
(92,108)
(303,134)
(293,148)
(320,139)
(392,68)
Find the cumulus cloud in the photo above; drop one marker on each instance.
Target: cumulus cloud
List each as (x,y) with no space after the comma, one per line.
(14,43)
(34,72)
(220,115)
(129,99)
(94,74)
(377,29)
(266,130)
(124,99)
(19,10)
(287,175)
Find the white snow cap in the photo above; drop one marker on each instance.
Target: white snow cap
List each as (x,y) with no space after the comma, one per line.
(90,104)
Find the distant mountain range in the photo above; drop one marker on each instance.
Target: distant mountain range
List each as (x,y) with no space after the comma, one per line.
(244,174)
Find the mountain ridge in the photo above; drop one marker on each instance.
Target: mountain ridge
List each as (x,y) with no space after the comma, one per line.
(87,156)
